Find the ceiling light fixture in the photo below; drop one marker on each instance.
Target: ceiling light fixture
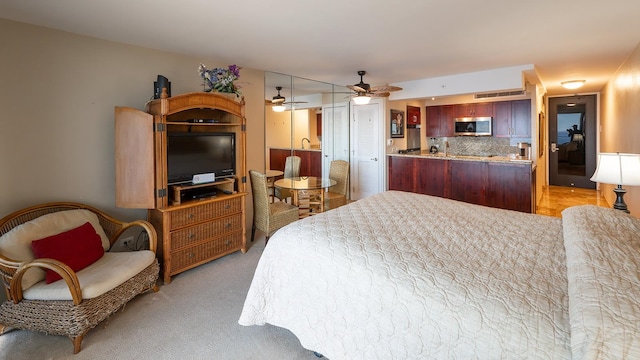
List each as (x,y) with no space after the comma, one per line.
(278,108)
(362,98)
(278,101)
(573,84)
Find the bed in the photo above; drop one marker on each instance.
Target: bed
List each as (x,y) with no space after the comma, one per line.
(407,276)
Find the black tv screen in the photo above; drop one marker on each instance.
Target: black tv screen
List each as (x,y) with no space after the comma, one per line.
(194,153)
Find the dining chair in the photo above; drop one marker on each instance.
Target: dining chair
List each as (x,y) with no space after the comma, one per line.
(268,217)
(291,170)
(336,195)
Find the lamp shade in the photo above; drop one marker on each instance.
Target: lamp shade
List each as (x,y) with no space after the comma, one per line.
(278,108)
(618,169)
(361,99)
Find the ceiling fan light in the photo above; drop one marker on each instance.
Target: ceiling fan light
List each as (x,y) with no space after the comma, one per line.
(361,99)
(278,108)
(573,84)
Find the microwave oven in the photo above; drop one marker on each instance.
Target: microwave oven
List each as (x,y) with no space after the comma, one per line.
(473,126)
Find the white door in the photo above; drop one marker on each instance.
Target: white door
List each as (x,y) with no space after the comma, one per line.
(335,135)
(367,160)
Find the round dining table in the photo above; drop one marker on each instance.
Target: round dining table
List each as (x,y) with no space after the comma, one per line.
(307,192)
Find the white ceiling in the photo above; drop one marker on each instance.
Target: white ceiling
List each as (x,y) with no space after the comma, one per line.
(394,41)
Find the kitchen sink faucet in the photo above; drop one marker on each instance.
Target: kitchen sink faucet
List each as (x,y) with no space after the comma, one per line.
(302,142)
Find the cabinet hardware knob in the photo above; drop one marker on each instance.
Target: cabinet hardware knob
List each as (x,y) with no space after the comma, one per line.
(228,242)
(191,236)
(190,216)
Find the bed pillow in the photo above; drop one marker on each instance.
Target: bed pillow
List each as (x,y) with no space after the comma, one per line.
(16,244)
(77,248)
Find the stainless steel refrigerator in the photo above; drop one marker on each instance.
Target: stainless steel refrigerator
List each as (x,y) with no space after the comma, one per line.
(413,137)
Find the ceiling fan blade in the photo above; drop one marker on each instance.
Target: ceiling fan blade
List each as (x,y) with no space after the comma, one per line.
(294,102)
(357,88)
(277,100)
(379,94)
(385,88)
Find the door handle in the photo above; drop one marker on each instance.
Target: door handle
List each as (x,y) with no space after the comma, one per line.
(554,147)
(374,159)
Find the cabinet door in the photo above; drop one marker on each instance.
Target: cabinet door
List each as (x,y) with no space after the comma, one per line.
(509,186)
(521,118)
(474,110)
(467,181)
(401,173)
(134,159)
(277,158)
(502,119)
(431,176)
(315,161)
(440,120)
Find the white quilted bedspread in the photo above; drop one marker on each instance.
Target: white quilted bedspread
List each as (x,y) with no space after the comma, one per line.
(603,270)
(407,276)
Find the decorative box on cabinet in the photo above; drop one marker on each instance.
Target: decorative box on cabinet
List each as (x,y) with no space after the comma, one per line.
(190,232)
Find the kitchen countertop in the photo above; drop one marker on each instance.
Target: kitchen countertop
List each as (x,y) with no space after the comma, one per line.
(501,159)
(297,149)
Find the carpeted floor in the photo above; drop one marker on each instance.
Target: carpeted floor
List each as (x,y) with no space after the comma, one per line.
(194,317)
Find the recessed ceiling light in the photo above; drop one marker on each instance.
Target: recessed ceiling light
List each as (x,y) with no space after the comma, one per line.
(573,84)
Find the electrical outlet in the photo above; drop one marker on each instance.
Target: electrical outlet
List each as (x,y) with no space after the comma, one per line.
(128,240)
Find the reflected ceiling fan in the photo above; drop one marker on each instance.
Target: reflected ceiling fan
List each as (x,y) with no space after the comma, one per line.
(364,92)
(278,102)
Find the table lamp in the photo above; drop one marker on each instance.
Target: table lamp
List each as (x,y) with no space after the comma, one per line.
(618,169)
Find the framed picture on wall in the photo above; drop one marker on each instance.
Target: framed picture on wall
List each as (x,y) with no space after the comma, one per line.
(397,124)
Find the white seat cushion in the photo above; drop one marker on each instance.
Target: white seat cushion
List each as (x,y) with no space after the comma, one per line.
(16,244)
(98,278)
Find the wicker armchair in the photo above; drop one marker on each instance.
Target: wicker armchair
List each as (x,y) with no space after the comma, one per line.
(268,217)
(76,316)
(337,194)
(291,170)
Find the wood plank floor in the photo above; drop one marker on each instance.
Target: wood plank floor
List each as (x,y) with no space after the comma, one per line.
(557,198)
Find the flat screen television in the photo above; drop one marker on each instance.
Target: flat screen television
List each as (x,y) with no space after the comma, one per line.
(195,153)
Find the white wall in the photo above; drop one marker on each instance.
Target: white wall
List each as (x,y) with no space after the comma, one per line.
(620,121)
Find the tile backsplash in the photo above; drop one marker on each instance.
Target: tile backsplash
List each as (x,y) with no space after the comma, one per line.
(477,146)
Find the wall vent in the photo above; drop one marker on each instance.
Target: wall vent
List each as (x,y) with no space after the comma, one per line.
(499,94)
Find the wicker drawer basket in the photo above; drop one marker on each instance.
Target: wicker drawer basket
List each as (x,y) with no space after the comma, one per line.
(199,213)
(193,256)
(198,233)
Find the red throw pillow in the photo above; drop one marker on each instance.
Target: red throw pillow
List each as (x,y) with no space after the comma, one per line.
(77,248)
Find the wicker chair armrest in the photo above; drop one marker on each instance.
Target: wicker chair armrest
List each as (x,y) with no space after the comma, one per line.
(151,231)
(68,275)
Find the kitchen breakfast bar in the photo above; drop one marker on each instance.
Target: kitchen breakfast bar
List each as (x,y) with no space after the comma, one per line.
(496,181)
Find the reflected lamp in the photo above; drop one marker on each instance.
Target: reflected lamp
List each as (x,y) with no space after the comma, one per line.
(618,169)
(278,108)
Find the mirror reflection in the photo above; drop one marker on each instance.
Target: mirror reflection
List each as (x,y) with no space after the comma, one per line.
(305,118)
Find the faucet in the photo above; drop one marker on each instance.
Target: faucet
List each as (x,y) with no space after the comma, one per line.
(302,142)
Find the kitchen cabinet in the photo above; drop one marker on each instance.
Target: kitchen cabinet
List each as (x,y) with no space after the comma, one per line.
(474,110)
(512,119)
(467,181)
(430,175)
(511,186)
(505,185)
(402,173)
(440,120)
(310,160)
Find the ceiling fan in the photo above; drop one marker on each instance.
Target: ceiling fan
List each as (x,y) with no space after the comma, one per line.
(364,92)
(278,102)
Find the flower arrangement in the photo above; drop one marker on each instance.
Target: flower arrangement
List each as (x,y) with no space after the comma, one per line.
(220,79)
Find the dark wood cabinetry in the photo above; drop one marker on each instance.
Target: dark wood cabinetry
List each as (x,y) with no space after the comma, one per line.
(510,186)
(468,180)
(512,119)
(496,184)
(310,160)
(440,120)
(474,110)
